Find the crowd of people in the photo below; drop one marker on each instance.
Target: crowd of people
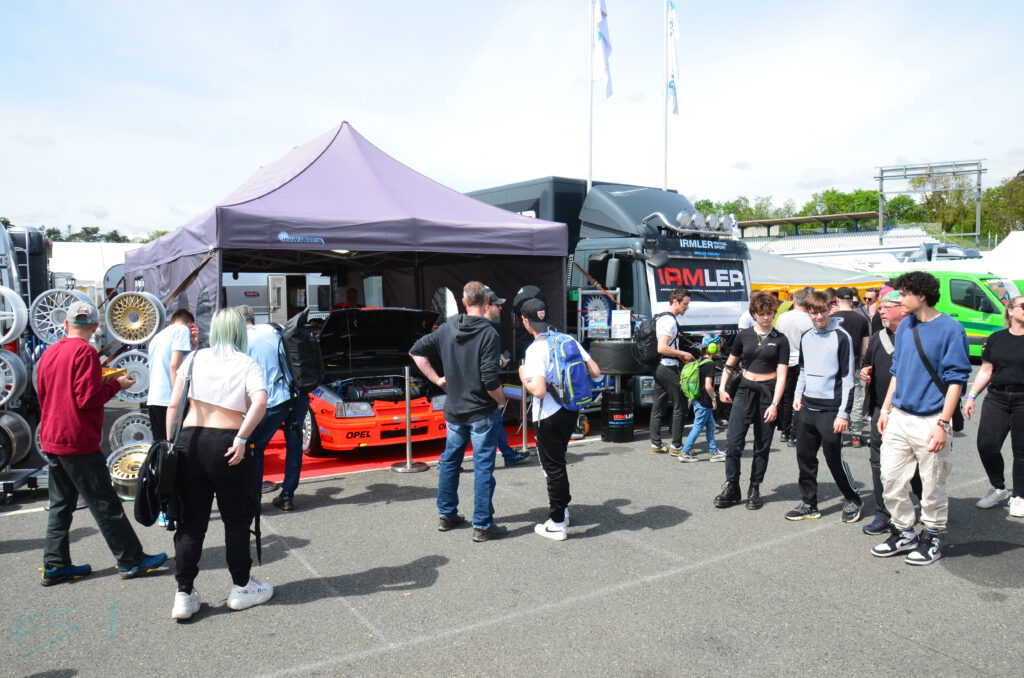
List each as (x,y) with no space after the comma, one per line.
(800,371)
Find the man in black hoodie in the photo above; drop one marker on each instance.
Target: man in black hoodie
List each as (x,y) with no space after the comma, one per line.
(469,348)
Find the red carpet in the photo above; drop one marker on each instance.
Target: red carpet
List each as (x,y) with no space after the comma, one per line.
(365,458)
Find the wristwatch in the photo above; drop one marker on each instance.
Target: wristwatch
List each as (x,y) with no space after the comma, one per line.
(943,424)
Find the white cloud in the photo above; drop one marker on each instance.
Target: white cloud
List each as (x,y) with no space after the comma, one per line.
(95,211)
(35,140)
(742,165)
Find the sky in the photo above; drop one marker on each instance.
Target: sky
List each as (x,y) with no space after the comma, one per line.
(138,115)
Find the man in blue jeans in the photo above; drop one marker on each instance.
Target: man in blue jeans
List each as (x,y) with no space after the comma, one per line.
(468,347)
(286,407)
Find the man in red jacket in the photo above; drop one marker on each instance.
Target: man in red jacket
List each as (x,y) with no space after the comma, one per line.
(71,396)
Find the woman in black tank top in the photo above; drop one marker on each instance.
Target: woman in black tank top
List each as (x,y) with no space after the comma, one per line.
(762,352)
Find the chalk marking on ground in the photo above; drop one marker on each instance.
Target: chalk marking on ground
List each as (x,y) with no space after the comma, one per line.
(21,511)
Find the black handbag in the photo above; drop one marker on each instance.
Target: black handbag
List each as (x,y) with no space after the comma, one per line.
(958,415)
(154,488)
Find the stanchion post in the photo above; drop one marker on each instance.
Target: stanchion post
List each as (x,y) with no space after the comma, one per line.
(522,418)
(408,466)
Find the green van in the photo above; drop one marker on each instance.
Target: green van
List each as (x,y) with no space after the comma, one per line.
(977,300)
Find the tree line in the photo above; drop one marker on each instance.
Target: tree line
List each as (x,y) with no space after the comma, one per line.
(946,201)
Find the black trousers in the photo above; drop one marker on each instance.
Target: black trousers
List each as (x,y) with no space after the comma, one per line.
(816,431)
(72,475)
(787,417)
(875,459)
(552,440)
(203,473)
(158,421)
(1002,413)
(752,399)
(668,401)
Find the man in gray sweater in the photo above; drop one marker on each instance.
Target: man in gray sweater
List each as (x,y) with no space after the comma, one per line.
(469,348)
(823,397)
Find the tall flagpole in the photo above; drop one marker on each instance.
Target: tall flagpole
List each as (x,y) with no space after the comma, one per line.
(590,89)
(664,108)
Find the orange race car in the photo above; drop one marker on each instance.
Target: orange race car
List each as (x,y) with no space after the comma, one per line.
(362,400)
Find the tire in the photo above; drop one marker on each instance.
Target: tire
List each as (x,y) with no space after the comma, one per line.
(311,446)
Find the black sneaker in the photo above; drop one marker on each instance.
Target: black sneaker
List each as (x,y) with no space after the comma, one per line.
(803,512)
(852,510)
(898,542)
(445,523)
(876,526)
(929,549)
(496,532)
(783,437)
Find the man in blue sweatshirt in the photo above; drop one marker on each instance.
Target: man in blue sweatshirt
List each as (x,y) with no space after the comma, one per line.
(915,418)
(469,348)
(824,398)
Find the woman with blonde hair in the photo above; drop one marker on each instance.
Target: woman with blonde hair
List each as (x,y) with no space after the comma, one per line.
(1002,370)
(226,400)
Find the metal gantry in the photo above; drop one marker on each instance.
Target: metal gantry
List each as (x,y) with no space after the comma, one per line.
(932,170)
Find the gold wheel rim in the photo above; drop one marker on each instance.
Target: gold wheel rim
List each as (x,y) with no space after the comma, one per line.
(133,317)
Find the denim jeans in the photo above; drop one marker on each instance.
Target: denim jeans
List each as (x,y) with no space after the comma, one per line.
(484,436)
(703,422)
(504,446)
(288,415)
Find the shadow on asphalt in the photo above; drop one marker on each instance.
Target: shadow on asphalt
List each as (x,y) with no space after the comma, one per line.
(57,673)
(980,559)
(594,520)
(18,545)
(418,574)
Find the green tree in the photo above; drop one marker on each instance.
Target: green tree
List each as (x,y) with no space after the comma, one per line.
(153,236)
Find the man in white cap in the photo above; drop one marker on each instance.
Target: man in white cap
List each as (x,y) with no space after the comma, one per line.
(71,396)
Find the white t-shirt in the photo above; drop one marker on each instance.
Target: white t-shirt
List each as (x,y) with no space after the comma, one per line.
(793,324)
(538,363)
(175,337)
(746,320)
(228,381)
(668,327)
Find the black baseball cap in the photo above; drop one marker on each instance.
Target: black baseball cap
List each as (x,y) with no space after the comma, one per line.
(493,297)
(534,310)
(846,293)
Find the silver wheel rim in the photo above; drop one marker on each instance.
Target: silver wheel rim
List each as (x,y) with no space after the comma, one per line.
(13,376)
(19,433)
(13,315)
(133,428)
(49,310)
(137,364)
(307,432)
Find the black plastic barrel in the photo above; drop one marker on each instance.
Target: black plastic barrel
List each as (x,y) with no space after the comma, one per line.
(617,417)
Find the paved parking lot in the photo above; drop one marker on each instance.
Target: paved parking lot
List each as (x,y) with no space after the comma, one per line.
(653,581)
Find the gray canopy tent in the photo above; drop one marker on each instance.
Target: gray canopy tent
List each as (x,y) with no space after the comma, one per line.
(340,204)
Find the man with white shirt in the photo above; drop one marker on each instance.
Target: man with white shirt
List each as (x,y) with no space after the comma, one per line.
(166,351)
(793,323)
(666,389)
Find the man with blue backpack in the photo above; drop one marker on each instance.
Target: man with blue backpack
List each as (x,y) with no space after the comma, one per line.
(557,373)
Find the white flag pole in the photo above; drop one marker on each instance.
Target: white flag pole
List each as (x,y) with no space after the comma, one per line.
(664,111)
(590,89)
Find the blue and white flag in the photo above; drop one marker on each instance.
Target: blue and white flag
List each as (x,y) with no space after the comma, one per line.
(673,68)
(602,46)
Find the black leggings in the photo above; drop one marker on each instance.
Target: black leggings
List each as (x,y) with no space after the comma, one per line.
(203,473)
(1002,413)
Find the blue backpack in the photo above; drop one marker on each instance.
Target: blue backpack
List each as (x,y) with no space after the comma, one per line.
(572,389)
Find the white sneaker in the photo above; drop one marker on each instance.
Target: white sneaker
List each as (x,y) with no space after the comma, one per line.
(185,604)
(993,498)
(253,593)
(1016,508)
(566,519)
(552,531)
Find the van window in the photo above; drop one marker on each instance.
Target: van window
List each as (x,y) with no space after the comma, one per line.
(1000,288)
(967,293)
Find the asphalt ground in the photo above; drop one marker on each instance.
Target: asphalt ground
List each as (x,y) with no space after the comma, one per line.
(653,581)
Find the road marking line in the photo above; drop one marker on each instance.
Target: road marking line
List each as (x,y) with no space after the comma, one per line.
(335,593)
(21,511)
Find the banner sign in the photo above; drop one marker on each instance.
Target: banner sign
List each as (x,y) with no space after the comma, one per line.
(707,279)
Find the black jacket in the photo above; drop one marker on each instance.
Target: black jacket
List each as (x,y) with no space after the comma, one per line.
(469,349)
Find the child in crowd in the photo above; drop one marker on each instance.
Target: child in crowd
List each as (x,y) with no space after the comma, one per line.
(705,404)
